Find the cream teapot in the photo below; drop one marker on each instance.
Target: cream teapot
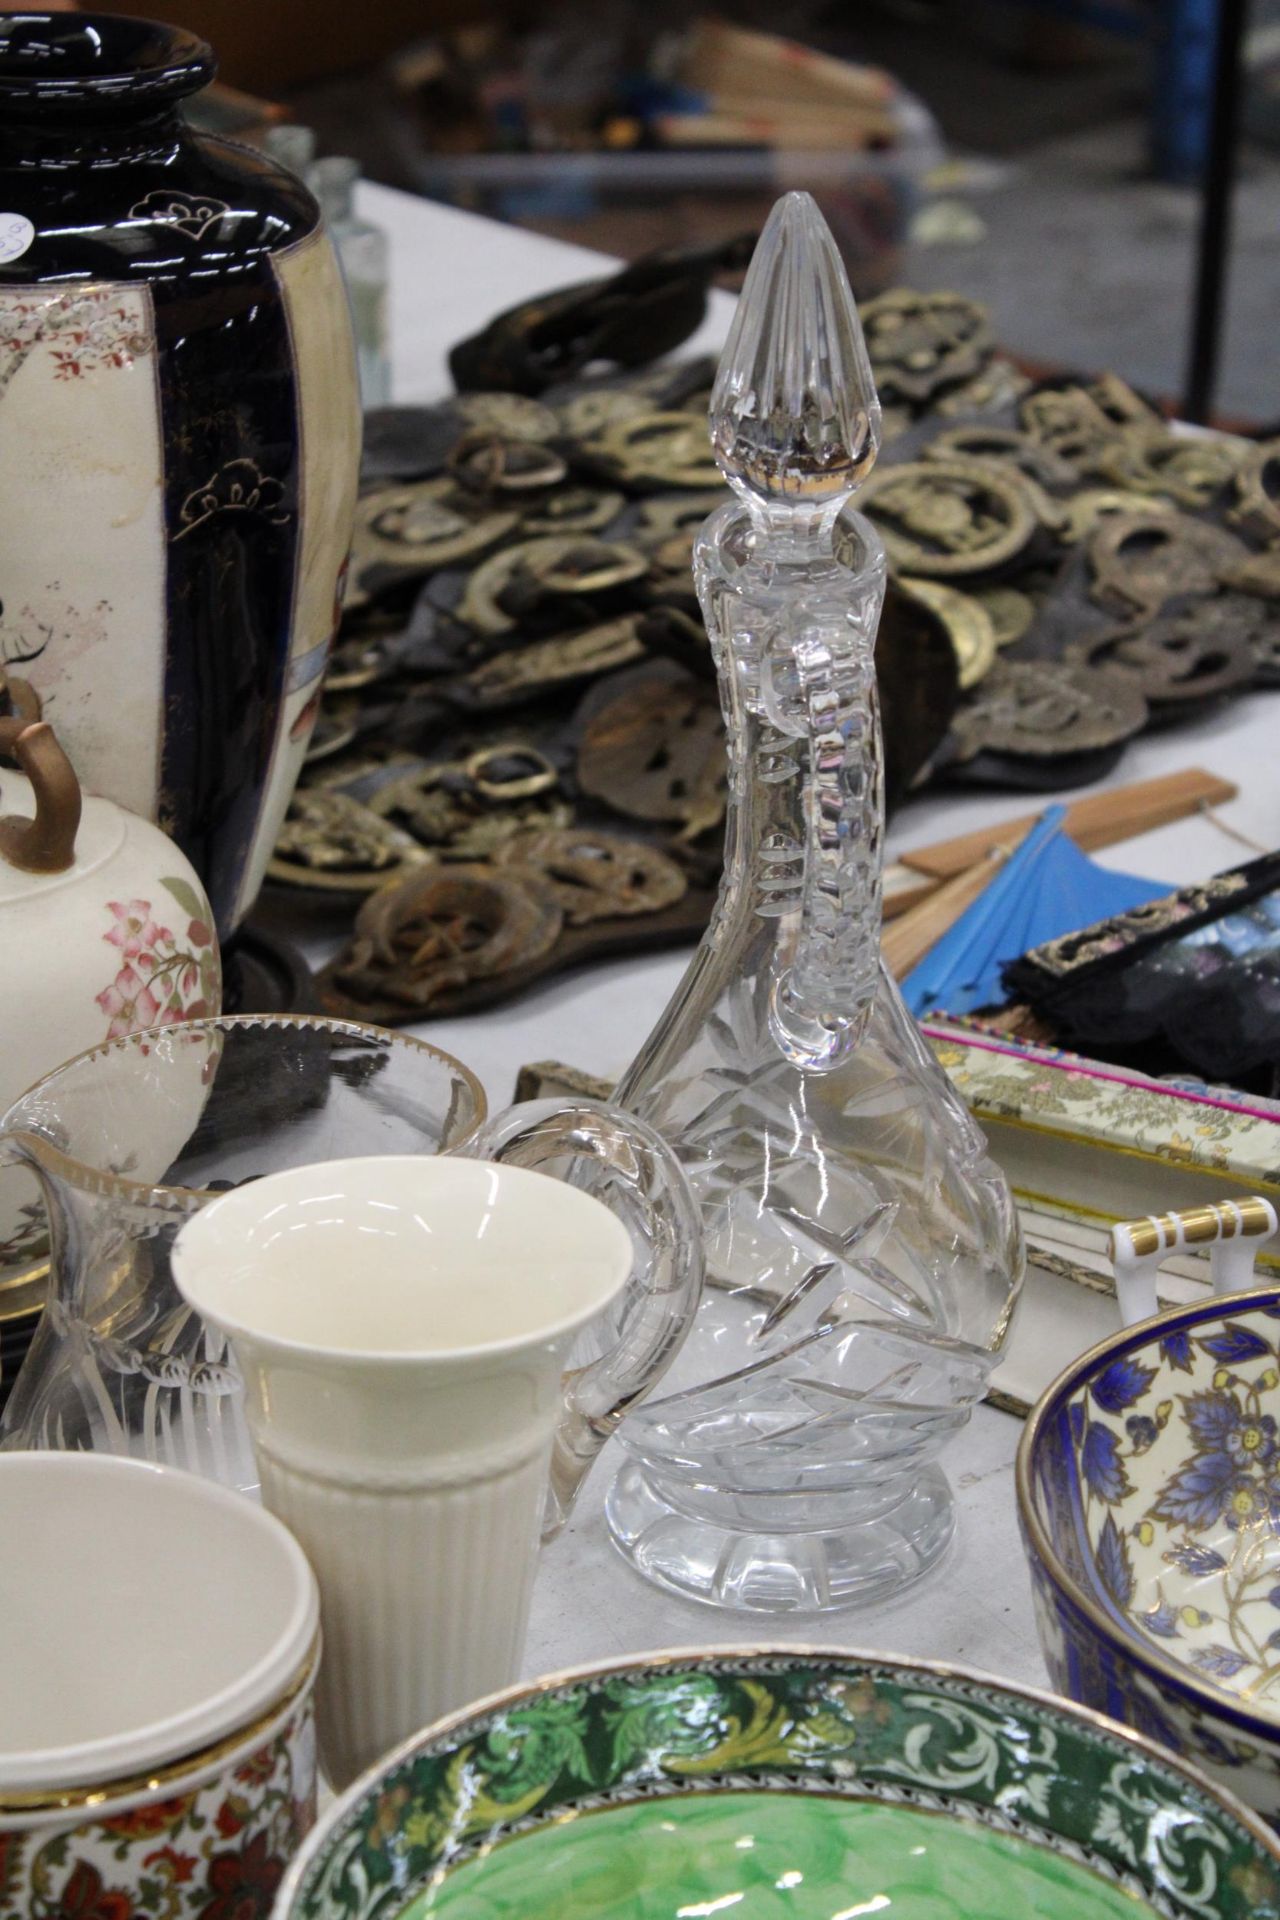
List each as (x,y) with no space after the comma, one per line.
(104,929)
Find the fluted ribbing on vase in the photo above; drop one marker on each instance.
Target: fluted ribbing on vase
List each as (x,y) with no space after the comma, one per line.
(425,1596)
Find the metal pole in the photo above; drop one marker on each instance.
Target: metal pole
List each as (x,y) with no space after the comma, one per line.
(1214,240)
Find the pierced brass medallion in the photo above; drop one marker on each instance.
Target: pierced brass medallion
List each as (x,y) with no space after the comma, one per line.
(1189,469)
(662,449)
(548,663)
(656,752)
(1044,708)
(331,841)
(511,414)
(444,928)
(595,876)
(1257,507)
(918,342)
(1142,560)
(949,517)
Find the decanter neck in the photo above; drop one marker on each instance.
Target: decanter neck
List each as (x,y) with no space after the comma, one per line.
(789,531)
(794,638)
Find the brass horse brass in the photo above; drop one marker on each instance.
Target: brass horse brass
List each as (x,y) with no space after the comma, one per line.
(595,876)
(573,510)
(918,342)
(1257,507)
(497,463)
(418,527)
(547,663)
(1191,470)
(665,449)
(656,752)
(513,415)
(1005,446)
(467,809)
(1141,560)
(557,563)
(329,840)
(1047,708)
(1009,610)
(951,517)
(1092,504)
(443,929)
(969,626)
(1178,657)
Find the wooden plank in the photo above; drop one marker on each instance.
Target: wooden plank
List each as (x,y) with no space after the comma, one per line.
(903,888)
(1118,813)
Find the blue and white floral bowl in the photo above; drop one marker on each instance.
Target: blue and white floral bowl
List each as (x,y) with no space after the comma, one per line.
(1149,1496)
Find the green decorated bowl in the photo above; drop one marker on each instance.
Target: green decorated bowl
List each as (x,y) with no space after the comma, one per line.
(781,1786)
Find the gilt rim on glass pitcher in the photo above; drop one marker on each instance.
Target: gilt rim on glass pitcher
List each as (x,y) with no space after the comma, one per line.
(81,1174)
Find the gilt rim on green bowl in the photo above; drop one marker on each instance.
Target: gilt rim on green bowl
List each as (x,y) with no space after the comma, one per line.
(861,1727)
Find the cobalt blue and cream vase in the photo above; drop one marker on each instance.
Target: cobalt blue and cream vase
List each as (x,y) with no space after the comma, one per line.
(179,438)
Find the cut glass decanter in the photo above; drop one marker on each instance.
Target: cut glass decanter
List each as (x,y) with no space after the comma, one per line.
(863,1253)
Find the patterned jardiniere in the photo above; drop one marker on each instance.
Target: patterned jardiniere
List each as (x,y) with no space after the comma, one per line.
(1149,1494)
(790,1724)
(208,1840)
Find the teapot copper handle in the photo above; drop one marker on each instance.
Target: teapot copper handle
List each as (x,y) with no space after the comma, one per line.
(47,843)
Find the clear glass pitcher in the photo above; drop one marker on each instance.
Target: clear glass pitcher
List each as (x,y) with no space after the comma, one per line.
(129,1140)
(863,1253)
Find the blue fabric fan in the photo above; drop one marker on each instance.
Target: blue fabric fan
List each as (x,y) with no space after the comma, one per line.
(1045,888)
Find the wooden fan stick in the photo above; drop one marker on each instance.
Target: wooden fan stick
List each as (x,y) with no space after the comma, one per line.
(917,931)
(1100,821)
(1117,813)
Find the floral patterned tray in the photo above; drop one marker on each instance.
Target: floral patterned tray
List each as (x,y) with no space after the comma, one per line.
(1086,1144)
(1101,1143)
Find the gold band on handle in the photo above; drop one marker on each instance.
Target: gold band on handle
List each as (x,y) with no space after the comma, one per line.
(1249,1218)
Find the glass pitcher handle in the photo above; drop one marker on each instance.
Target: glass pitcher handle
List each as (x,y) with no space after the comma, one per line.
(644,1185)
(821,1003)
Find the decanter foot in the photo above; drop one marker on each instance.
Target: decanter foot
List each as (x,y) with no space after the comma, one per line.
(756,1571)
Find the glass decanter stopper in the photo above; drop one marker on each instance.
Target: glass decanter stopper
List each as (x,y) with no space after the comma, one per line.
(863,1253)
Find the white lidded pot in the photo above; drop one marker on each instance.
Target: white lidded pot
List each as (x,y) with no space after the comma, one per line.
(157,1751)
(104,930)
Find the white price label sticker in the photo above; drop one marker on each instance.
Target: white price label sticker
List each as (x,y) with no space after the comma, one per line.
(16,235)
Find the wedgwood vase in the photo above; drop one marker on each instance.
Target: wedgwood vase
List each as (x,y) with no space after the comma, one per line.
(179,438)
(863,1254)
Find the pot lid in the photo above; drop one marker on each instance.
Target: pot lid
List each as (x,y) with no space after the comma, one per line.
(165,1613)
(100,836)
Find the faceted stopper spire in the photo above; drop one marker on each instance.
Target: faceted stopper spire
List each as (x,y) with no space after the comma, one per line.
(794,413)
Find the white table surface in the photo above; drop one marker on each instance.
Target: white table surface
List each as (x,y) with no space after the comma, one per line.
(451,272)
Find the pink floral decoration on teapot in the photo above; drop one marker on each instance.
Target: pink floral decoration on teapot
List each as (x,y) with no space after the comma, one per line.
(162,977)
